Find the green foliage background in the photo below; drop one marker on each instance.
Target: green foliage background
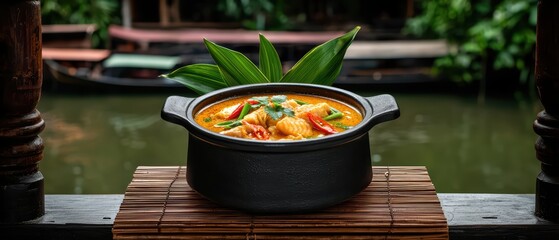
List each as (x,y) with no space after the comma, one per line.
(256,14)
(496,34)
(99,12)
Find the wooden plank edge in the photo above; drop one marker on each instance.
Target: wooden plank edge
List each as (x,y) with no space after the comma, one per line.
(502,216)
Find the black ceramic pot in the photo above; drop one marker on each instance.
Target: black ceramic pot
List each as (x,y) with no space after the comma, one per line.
(279,176)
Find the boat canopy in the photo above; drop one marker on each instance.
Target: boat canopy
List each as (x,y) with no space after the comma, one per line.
(120,60)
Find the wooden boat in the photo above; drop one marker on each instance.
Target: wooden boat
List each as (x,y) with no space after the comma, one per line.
(87,69)
(366,62)
(396,63)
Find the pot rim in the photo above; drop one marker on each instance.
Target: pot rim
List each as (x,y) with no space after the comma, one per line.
(349,135)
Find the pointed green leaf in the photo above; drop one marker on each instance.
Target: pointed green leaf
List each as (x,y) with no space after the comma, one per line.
(235,67)
(270,63)
(200,78)
(322,64)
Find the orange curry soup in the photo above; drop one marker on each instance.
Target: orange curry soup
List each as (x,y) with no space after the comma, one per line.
(278,117)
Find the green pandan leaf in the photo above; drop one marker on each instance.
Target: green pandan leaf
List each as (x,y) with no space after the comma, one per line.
(200,78)
(322,64)
(270,63)
(235,68)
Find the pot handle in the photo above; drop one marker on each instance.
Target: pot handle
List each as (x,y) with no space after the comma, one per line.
(174,110)
(385,108)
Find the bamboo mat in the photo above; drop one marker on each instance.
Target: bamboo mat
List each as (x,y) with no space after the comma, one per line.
(400,203)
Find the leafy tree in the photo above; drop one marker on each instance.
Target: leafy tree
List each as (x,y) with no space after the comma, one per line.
(496,34)
(102,13)
(256,14)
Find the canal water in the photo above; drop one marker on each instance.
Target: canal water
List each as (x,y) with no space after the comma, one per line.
(93,143)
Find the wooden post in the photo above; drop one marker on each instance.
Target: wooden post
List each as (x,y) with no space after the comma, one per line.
(547,122)
(163,13)
(21,183)
(126,11)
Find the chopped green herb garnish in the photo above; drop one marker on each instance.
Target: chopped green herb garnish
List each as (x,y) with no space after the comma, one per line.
(244,111)
(341,125)
(335,113)
(276,111)
(228,124)
(289,112)
(299,102)
(277,99)
(208,119)
(261,100)
(273,112)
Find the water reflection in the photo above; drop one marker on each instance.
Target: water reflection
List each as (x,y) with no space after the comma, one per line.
(128,129)
(467,147)
(94,143)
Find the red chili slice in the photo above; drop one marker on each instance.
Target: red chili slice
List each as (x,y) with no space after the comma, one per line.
(257,131)
(236,112)
(252,102)
(239,109)
(320,124)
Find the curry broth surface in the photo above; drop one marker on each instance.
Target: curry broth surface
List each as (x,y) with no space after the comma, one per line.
(206,118)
